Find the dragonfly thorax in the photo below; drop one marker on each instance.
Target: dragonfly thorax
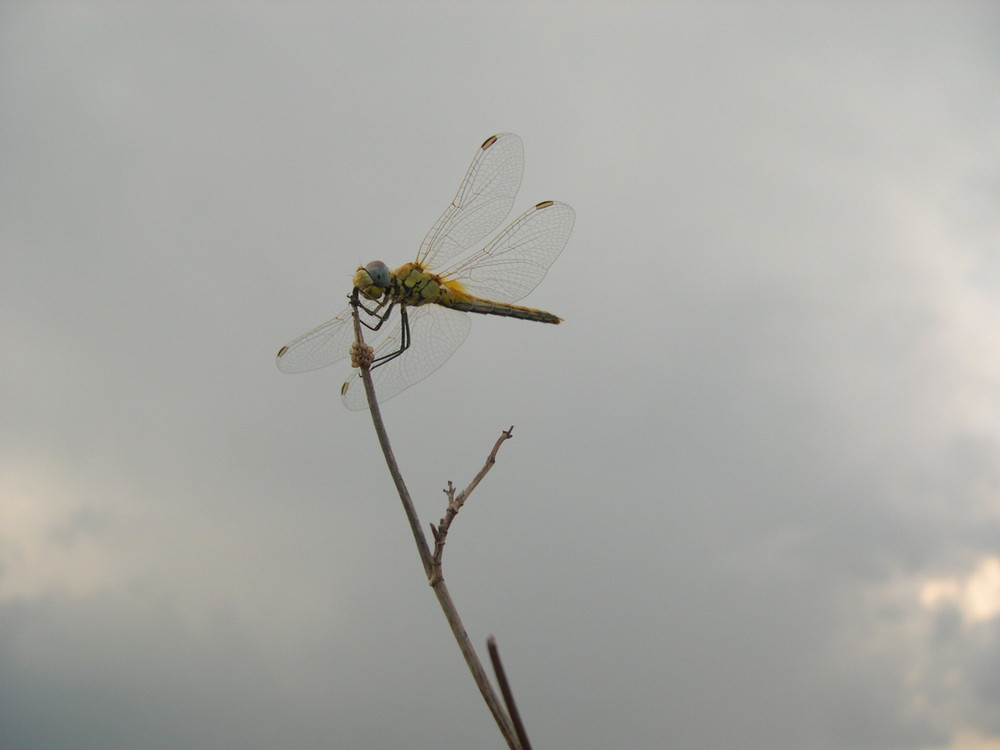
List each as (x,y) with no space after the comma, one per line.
(412,285)
(373,280)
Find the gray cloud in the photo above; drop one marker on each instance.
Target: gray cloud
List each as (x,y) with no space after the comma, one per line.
(754,473)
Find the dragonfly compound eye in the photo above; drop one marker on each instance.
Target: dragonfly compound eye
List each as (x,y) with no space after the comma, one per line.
(373,279)
(378,272)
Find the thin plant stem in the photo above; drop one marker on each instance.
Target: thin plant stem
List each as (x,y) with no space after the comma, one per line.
(362,357)
(383,440)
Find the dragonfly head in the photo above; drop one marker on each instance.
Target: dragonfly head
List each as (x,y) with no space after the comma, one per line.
(372,280)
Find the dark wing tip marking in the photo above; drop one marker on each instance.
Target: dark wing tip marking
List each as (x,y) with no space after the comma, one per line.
(282,351)
(489,142)
(545,204)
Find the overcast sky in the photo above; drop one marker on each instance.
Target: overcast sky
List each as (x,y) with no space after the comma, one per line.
(753,495)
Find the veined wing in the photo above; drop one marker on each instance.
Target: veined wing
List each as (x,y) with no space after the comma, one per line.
(484,199)
(322,346)
(435,333)
(515,262)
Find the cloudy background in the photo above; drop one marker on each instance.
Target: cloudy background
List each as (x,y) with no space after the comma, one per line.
(753,497)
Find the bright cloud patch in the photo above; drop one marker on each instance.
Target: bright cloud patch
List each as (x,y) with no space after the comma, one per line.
(976,596)
(51,535)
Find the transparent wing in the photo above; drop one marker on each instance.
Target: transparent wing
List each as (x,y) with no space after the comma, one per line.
(435,333)
(515,262)
(483,200)
(322,346)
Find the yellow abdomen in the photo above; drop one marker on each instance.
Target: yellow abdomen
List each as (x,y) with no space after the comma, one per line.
(412,285)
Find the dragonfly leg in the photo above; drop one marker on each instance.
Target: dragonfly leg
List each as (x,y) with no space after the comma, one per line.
(376,313)
(382,316)
(404,337)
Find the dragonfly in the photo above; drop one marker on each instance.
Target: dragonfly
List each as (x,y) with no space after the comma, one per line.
(433,294)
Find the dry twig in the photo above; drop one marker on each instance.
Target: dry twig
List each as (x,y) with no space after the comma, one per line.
(361,357)
(455,504)
(508,696)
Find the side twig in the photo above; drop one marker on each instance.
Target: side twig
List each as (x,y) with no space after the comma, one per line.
(361,356)
(455,504)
